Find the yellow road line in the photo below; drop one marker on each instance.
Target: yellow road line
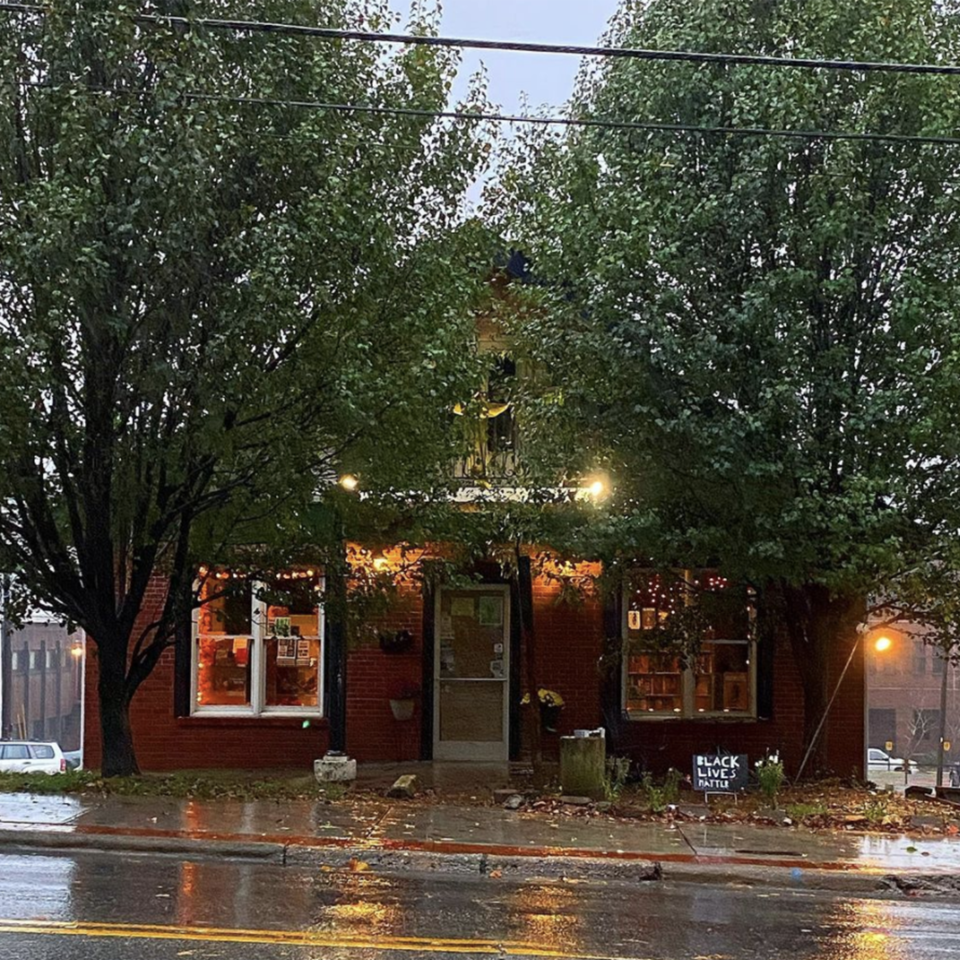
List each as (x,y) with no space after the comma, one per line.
(296,938)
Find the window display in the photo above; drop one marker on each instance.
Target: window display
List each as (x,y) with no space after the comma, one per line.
(258,646)
(718,677)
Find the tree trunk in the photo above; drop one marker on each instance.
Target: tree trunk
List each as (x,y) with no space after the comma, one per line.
(818,622)
(119,757)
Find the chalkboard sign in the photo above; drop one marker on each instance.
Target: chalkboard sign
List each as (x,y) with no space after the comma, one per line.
(720,772)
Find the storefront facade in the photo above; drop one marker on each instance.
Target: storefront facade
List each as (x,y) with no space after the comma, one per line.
(249,684)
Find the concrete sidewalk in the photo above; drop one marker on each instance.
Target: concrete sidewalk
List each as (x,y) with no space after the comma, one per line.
(414,835)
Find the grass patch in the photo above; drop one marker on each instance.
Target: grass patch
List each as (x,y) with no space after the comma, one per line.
(800,811)
(193,785)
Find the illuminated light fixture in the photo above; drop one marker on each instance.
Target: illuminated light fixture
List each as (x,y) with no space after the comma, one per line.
(349,482)
(380,562)
(76,651)
(487,409)
(882,643)
(596,487)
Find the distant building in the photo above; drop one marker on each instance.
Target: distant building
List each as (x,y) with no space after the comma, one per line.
(41,682)
(903,698)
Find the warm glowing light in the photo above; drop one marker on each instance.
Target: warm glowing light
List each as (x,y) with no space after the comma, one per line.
(349,482)
(882,643)
(380,563)
(76,651)
(595,487)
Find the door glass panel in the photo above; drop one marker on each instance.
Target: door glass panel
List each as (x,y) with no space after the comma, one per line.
(471,711)
(15,751)
(472,634)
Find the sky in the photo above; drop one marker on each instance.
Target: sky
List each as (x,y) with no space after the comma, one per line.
(544,78)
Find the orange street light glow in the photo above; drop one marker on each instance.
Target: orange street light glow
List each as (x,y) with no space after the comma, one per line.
(882,643)
(349,482)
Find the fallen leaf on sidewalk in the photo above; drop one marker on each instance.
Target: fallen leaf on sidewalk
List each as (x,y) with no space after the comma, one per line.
(496,874)
(357,866)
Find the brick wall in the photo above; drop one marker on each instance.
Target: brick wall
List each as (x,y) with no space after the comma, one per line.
(372,731)
(569,641)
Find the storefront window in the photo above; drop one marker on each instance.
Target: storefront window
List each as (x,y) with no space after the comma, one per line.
(292,647)
(722,677)
(224,641)
(258,647)
(718,677)
(654,683)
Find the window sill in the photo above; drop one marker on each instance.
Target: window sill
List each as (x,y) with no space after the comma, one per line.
(284,720)
(694,718)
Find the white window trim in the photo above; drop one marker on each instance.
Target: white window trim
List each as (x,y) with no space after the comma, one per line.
(688,685)
(257,708)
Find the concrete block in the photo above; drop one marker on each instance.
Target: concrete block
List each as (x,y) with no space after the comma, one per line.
(405,787)
(334,769)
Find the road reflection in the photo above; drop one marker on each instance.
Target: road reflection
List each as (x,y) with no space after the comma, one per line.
(864,930)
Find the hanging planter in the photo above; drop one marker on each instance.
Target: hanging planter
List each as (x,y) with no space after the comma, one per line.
(403,700)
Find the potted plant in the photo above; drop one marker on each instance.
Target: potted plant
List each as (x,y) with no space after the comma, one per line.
(403,699)
(551,703)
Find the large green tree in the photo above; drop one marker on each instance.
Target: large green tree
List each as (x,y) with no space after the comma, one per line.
(757,334)
(214,295)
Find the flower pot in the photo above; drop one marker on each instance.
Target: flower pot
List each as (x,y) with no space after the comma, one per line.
(549,717)
(403,709)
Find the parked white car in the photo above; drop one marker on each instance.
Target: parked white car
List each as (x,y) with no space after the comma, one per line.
(29,756)
(881,760)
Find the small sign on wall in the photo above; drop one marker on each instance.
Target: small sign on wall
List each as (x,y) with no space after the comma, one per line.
(720,772)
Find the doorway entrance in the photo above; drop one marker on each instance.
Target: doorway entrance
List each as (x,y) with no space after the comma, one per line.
(472,674)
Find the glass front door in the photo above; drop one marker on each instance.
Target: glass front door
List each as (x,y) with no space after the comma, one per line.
(471,674)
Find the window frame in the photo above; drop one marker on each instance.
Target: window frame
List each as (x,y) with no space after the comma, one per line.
(258,708)
(688,676)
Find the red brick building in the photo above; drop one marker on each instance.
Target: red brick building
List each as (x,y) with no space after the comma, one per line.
(903,697)
(251,686)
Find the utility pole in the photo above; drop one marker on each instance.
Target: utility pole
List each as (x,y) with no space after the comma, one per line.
(943,714)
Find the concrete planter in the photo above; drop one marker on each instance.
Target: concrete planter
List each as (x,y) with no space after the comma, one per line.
(583,766)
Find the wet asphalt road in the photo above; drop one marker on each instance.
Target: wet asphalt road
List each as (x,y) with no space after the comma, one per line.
(116,908)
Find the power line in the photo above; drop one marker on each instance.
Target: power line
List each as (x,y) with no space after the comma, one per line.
(464,43)
(585,122)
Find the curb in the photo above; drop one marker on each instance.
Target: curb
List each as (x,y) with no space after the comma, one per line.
(63,841)
(474,860)
(553,867)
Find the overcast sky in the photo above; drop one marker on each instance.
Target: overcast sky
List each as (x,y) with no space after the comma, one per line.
(544,79)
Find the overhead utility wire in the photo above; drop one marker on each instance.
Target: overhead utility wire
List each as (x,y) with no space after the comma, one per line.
(649,127)
(464,43)
(594,123)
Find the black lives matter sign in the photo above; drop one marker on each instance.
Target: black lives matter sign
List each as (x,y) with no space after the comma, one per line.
(720,772)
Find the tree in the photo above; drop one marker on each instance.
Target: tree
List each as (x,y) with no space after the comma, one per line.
(756,334)
(213,296)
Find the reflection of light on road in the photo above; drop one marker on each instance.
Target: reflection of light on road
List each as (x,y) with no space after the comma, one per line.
(864,930)
(547,916)
(367,906)
(186,894)
(37,886)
